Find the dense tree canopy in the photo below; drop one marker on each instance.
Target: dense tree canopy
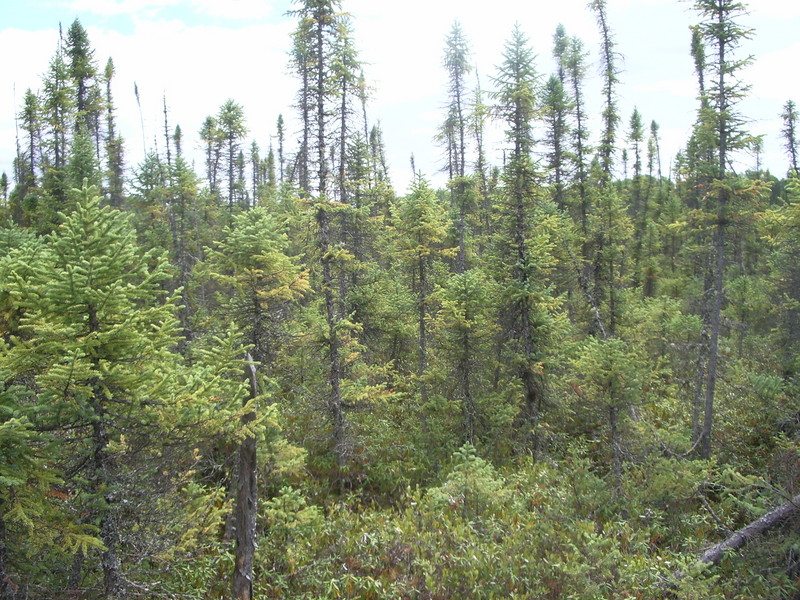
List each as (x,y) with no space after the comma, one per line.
(278,377)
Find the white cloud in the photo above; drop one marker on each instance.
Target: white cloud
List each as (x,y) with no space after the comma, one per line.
(234,9)
(120,7)
(241,10)
(683,88)
(774,9)
(769,76)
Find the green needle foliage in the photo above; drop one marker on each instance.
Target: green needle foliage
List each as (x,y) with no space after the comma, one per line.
(547,379)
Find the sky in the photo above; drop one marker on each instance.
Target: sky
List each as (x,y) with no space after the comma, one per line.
(197,54)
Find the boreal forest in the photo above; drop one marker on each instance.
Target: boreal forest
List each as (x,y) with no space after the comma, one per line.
(571,372)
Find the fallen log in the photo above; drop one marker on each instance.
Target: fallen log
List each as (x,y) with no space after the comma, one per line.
(758,527)
(738,539)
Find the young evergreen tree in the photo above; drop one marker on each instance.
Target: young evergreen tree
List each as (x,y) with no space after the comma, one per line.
(83,163)
(271,178)
(177,138)
(638,203)
(636,138)
(99,332)
(656,140)
(421,227)
(465,328)
(479,114)
(251,263)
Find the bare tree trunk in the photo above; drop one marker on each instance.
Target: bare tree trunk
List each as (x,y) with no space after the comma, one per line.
(103,479)
(246,502)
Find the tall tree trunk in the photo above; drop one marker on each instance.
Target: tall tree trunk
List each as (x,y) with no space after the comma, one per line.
(102,483)
(335,408)
(530,380)
(459,191)
(715,323)
(246,502)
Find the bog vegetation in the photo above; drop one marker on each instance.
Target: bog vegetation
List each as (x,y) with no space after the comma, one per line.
(566,376)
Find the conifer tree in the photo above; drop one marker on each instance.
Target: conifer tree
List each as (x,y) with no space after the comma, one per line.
(656,141)
(256,168)
(720,132)
(479,114)
(58,103)
(575,63)
(454,133)
(523,310)
(315,41)
(610,71)
(212,137)
(456,63)
(789,133)
(378,152)
(421,226)
(465,326)
(167,136)
(556,110)
(177,137)
(636,138)
(115,164)
(231,123)
(4,187)
(98,334)
(30,122)
(83,163)
(561,44)
(281,132)
(638,203)
(252,264)
(83,71)
(271,182)
(345,72)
